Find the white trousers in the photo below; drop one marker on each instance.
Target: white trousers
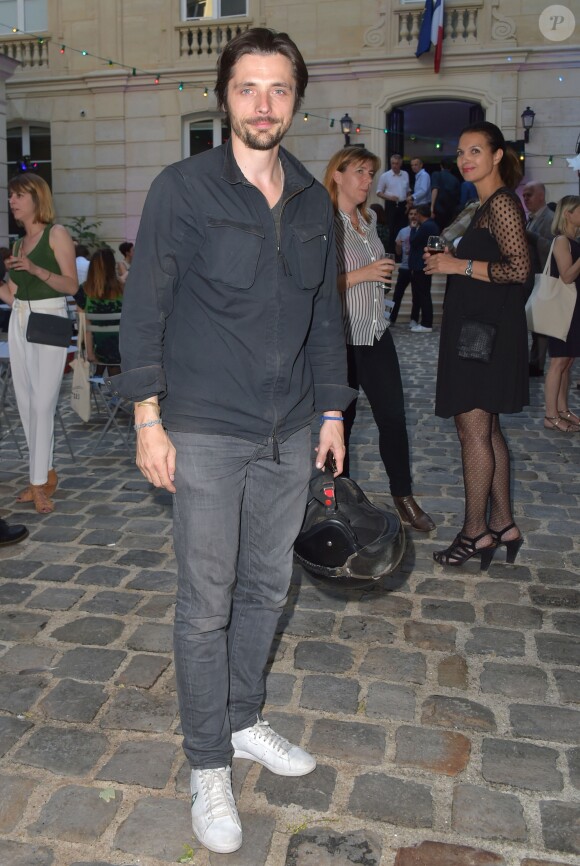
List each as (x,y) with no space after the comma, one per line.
(37,372)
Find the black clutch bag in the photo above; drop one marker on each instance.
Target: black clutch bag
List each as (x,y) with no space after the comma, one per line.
(49,330)
(476,340)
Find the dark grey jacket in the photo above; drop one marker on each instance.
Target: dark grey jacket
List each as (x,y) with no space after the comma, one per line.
(236,334)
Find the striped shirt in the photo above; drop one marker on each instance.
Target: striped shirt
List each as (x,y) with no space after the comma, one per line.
(363,304)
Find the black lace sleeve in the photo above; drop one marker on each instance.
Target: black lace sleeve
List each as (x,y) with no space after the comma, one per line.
(504,217)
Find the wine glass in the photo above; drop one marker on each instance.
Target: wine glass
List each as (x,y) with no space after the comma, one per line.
(435,244)
(391,257)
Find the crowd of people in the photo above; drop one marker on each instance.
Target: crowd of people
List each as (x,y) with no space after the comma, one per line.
(253,302)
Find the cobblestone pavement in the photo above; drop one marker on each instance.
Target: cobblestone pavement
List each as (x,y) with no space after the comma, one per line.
(443,709)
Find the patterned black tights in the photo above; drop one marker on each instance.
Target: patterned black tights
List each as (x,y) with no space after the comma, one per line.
(486,473)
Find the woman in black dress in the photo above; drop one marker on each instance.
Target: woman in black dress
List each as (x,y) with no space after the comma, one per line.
(488,282)
(565,264)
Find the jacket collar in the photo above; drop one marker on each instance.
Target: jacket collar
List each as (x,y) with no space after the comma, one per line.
(296,177)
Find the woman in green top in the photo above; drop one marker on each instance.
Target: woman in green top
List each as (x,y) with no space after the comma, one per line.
(103,294)
(42,272)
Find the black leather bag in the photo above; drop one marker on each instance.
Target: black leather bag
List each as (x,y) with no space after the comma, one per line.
(49,330)
(344,537)
(476,340)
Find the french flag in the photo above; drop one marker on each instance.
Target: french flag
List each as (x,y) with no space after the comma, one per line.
(431,32)
(437,32)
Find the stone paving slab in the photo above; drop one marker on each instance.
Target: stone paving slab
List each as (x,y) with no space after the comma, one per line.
(443,707)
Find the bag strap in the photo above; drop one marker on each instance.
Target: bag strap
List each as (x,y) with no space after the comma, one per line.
(82,332)
(549,258)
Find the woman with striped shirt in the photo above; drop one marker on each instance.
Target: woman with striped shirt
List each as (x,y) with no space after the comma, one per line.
(372,359)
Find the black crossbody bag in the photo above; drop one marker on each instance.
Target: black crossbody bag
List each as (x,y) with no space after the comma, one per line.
(49,330)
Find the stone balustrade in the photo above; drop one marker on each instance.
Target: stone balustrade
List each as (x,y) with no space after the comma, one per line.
(460,24)
(30,51)
(202,38)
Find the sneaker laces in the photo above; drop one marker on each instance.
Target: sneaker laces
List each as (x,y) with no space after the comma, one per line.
(218,792)
(264,732)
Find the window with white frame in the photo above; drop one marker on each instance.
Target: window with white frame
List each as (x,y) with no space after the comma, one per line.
(29,16)
(191,9)
(204,133)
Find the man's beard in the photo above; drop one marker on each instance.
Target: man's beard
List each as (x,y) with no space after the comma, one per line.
(259,139)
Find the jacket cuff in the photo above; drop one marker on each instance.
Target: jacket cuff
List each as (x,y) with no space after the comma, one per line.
(138,384)
(328,397)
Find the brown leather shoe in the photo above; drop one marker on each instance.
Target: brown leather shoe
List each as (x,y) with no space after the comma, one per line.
(411,512)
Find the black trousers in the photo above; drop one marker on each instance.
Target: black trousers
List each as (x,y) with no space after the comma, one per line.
(422,303)
(396,216)
(403,280)
(376,370)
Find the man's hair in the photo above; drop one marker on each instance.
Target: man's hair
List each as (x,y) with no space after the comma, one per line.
(417,159)
(447,164)
(535,184)
(40,192)
(396,156)
(423,209)
(125,247)
(259,40)
(81,250)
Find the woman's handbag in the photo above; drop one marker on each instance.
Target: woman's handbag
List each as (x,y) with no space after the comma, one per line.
(80,398)
(49,330)
(550,307)
(476,340)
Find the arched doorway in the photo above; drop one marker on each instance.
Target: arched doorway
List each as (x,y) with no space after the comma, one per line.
(429,129)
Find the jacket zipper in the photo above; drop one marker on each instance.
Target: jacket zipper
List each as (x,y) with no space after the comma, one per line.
(288,273)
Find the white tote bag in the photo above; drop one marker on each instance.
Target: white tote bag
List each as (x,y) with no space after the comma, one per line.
(80,398)
(550,307)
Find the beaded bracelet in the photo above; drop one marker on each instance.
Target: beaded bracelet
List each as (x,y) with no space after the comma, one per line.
(147,424)
(324,418)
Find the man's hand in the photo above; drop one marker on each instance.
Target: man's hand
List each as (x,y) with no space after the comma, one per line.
(156,457)
(331,440)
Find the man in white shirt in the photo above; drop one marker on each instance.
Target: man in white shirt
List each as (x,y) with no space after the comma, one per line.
(422,191)
(402,248)
(82,262)
(393,188)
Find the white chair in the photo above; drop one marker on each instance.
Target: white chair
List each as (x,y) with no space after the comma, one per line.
(108,323)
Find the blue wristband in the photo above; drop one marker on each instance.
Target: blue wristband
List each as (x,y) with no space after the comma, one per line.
(324,418)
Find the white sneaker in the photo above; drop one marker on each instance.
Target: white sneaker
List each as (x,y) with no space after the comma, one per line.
(412,324)
(421,329)
(260,743)
(214,816)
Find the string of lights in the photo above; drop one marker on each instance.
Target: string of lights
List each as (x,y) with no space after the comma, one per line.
(134,70)
(181,85)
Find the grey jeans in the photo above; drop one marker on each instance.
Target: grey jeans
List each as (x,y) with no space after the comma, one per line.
(236,516)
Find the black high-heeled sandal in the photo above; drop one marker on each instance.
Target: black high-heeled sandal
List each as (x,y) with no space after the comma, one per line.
(463,548)
(512,546)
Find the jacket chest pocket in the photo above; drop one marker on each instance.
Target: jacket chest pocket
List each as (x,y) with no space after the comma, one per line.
(231,252)
(309,251)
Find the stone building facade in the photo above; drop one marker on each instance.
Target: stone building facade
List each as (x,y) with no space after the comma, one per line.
(104,94)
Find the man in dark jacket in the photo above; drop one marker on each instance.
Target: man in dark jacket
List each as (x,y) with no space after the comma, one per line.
(422,308)
(445,194)
(232,331)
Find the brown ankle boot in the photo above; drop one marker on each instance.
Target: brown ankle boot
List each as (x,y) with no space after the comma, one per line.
(411,512)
